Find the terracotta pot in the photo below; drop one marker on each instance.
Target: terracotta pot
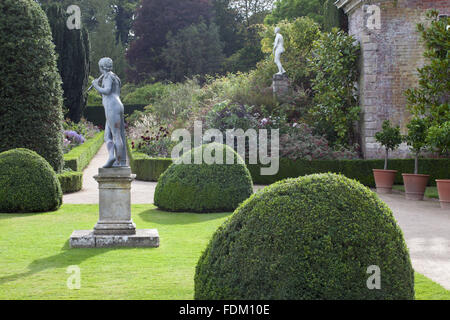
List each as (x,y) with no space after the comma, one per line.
(415,185)
(384,179)
(444,193)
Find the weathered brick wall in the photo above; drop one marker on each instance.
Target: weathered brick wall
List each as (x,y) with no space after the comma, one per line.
(390,58)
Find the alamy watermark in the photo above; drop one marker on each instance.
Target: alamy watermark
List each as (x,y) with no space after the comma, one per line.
(373,20)
(257,146)
(74,20)
(374,281)
(74,280)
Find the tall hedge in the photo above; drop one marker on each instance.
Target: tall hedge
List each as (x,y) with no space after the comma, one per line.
(30,85)
(73,50)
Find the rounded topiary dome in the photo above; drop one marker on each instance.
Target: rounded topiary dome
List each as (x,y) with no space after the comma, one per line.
(27,183)
(30,85)
(312,237)
(204,187)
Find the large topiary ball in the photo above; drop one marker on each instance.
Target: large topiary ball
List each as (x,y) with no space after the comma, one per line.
(27,183)
(313,237)
(204,187)
(30,85)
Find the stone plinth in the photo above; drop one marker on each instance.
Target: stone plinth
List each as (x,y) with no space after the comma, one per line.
(115,228)
(144,238)
(115,202)
(280,85)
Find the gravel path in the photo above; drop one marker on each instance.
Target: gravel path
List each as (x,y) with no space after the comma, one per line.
(425,225)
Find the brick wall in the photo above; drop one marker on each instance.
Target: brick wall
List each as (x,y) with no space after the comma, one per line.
(390,58)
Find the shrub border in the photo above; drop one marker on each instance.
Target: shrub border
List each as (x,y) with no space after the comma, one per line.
(360,170)
(71,181)
(145,167)
(149,169)
(78,159)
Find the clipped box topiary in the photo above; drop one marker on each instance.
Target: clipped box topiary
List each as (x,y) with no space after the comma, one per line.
(27,183)
(204,187)
(314,237)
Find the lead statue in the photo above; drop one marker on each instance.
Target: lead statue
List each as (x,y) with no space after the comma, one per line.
(114,111)
(278,49)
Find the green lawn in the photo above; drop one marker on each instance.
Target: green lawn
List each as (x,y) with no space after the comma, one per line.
(34,256)
(430,192)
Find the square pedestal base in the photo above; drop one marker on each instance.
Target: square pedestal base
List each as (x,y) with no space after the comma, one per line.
(144,238)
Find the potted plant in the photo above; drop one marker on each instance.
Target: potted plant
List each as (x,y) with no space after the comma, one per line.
(416,184)
(439,138)
(390,138)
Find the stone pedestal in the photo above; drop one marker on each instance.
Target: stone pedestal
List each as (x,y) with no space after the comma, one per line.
(280,85)
(115,228)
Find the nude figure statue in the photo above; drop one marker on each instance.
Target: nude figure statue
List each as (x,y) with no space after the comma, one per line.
(115,124)
(278,49)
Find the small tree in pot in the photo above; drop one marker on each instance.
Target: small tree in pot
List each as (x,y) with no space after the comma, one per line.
(390,138)
(415,184)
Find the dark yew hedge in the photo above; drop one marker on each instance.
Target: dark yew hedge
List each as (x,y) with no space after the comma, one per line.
(30,84)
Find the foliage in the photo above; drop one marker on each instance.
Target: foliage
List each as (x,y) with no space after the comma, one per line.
(431,99)
(439,137)
(227,115)
(30,85)
(27,183)
(145,167)
(146,94)
(291,9)
(155,143)
(204,187)
(301,143)
(334,62)
(333,17)
(305,239)
(389,137)
(177,104)
(299,36)
(247,57)
(417,134)
(195,50)
(75,134)
(104,44)
(70,181)
(79,157)
(73,49)
(154,20)
(94,98)
(252,11)
(228,20)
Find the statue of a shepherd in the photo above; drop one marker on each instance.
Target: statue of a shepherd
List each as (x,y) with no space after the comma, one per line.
(115,124)
(278,49)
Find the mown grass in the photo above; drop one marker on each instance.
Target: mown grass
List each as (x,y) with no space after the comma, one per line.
(35,255)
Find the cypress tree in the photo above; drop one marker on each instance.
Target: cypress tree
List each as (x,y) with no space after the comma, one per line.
(30,85)
(73,49)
